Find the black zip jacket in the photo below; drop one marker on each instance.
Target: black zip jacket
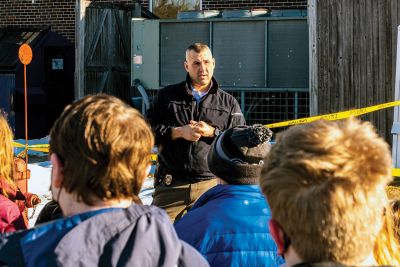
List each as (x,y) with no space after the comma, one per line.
(175,106)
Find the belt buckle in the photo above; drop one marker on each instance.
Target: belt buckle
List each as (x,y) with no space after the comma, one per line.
(167,180)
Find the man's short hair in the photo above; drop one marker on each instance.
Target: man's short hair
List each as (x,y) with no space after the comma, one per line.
(197,47)
(325,182)
(105,147)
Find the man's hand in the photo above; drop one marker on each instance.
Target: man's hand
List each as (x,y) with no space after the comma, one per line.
(188,132)
(203,128)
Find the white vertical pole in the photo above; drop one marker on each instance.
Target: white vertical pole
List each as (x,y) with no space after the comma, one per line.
(396,115)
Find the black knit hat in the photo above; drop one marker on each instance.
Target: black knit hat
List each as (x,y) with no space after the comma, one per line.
(236,156)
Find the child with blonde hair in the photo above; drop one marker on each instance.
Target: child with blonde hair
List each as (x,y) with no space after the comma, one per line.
(12,201)
(387,244)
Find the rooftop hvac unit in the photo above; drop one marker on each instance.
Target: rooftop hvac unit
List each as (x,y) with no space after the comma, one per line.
(258,52)
(244,13)
(196,14)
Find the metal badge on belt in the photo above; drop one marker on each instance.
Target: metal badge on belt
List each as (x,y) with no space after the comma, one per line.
(167,179)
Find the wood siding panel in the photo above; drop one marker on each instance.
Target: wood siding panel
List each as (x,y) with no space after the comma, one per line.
(107,51)
(356,56)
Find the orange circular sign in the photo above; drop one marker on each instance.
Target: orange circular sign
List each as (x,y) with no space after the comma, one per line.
(25,54)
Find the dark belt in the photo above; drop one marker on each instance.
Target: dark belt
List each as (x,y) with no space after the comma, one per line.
(168,179)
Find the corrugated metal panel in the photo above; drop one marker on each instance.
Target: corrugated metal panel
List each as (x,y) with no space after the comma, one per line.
(174,39)
(288,53)
(239,50)
(145,61)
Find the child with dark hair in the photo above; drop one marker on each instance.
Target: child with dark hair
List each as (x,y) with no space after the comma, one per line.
(228,223)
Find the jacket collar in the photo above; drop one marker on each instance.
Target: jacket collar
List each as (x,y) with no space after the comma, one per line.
(228,191)
(213,89)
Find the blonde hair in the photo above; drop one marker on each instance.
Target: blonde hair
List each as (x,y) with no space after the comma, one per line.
(6,156)
(387,244)
(325,182)
(105,147)
(395,205)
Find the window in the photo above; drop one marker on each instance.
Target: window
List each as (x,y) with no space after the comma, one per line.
(57,64)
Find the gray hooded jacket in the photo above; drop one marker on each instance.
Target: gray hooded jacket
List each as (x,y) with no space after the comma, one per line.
(135,236)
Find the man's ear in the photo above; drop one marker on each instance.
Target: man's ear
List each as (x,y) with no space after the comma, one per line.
(57,174)
(185,64)
(278,235)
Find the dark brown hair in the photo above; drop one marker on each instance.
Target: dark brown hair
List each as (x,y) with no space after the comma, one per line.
(198,47)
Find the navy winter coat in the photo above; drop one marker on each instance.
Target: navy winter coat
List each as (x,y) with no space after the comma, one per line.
(229,225)
(136,236)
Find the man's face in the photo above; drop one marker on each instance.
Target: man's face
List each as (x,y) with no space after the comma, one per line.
(200,67)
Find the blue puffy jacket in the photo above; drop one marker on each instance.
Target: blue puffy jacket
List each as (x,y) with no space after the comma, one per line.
(229,225)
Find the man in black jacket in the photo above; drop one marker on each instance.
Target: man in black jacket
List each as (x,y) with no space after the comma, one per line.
(186,117)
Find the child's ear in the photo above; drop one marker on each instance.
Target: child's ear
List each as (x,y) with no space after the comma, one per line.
(278,235)
(56,172)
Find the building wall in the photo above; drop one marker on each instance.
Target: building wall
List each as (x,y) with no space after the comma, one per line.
(23,13)
(59,14)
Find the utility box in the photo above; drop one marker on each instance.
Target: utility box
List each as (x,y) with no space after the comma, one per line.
(145,52)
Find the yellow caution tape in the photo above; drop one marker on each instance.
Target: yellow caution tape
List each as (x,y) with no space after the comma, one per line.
(18,144)
(396,172)
(335,116)
(45,148)
(38,147)
(153,157)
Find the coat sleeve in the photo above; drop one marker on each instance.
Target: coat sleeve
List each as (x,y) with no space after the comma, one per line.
(191,257)
(236,118)
(11,218)
(157,119)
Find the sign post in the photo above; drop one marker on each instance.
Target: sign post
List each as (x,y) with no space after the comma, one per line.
(25,56)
